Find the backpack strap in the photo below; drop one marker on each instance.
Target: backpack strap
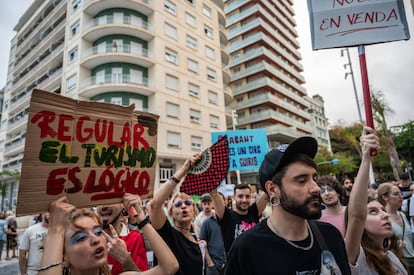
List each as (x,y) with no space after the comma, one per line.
(318,235)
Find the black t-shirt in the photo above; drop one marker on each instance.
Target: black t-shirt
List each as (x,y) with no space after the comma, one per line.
(188,254)
(233,224)
(405,191)
(260,251)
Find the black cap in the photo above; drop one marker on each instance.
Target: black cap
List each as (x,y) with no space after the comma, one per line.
(278,157)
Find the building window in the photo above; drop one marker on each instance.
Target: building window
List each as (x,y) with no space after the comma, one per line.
(191,42)
(192,66)
(74,29)
(211,74)
(206,11)
(116,100)
(195,116)
(192,2)
(235,56)
(71,82)
(170,31)
(173,110)
(139,104)
(170,7)
(172,83)
(194,90)
(190,20)
(173,139)
(196,143)
(208,31)
(166,172)
(73,55)
(214,122)
(75,5)
(210,52)
(171,56)
(212,97)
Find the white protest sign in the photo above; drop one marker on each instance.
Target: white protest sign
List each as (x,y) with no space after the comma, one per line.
(342,23)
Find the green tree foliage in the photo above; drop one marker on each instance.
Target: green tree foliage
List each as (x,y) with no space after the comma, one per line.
(381,110)
(345,147)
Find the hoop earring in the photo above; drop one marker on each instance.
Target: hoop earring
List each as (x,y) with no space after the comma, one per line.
(272,203)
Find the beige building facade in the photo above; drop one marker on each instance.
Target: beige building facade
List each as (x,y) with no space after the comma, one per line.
(164,56)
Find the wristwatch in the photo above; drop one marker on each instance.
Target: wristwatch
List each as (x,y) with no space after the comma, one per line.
(142,223)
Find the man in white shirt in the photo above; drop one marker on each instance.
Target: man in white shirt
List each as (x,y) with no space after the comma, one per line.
(31,246)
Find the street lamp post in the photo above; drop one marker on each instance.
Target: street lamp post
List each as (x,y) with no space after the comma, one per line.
(351,73)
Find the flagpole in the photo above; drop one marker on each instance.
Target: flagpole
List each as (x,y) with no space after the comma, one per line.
(234,119)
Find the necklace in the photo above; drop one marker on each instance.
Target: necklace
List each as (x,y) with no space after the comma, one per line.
(291,243)
(183,228)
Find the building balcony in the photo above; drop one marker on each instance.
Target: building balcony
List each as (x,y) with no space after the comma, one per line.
(235,5)
(275,117)
(258,52)
(228,96)
(268,82)
(121,82)
(55,11)
(15,143)
(46,57)
(270,99)
(263,66)
(14,163)
(48,42)
(126,25)
(282,133)
(93,7)
(259,23)
(263,39)
(98,55)
(17,122)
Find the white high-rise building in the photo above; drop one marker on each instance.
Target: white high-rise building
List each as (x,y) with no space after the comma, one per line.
(165,56)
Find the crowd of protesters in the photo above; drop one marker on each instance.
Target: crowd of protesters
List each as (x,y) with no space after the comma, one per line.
(297,223)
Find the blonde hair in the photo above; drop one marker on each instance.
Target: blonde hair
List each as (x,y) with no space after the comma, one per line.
(383,191)
(104,270)
(182,196)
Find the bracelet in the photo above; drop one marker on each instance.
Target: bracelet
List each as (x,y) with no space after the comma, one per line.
(144,222)
(46,267)
(174,179)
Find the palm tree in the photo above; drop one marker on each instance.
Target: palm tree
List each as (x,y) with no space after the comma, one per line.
(381,110)
(4,176)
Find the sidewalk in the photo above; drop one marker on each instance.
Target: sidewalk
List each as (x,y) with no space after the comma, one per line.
(4,262)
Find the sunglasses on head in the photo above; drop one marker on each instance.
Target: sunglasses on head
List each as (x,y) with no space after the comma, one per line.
(327,189)
(180,203)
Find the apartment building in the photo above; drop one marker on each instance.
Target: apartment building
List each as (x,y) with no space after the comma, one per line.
(164,56)
(319,122)
(265,70)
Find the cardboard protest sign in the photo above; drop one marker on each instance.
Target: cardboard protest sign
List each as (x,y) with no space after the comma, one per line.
(89,151)
(343,23)
(247,148)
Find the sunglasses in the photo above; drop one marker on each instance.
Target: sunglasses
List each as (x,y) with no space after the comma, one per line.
(180,203)
(327,189)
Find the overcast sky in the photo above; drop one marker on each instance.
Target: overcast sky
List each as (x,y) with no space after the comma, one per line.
(390,67)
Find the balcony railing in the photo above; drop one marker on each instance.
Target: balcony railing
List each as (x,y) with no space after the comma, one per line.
(109,48)
(109,19)
(115,79)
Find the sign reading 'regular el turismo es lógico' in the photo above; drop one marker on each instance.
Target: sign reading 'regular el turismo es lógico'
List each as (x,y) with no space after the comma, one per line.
(343,23)
(91,152)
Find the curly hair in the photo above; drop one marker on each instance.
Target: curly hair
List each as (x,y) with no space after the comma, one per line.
(334,183)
